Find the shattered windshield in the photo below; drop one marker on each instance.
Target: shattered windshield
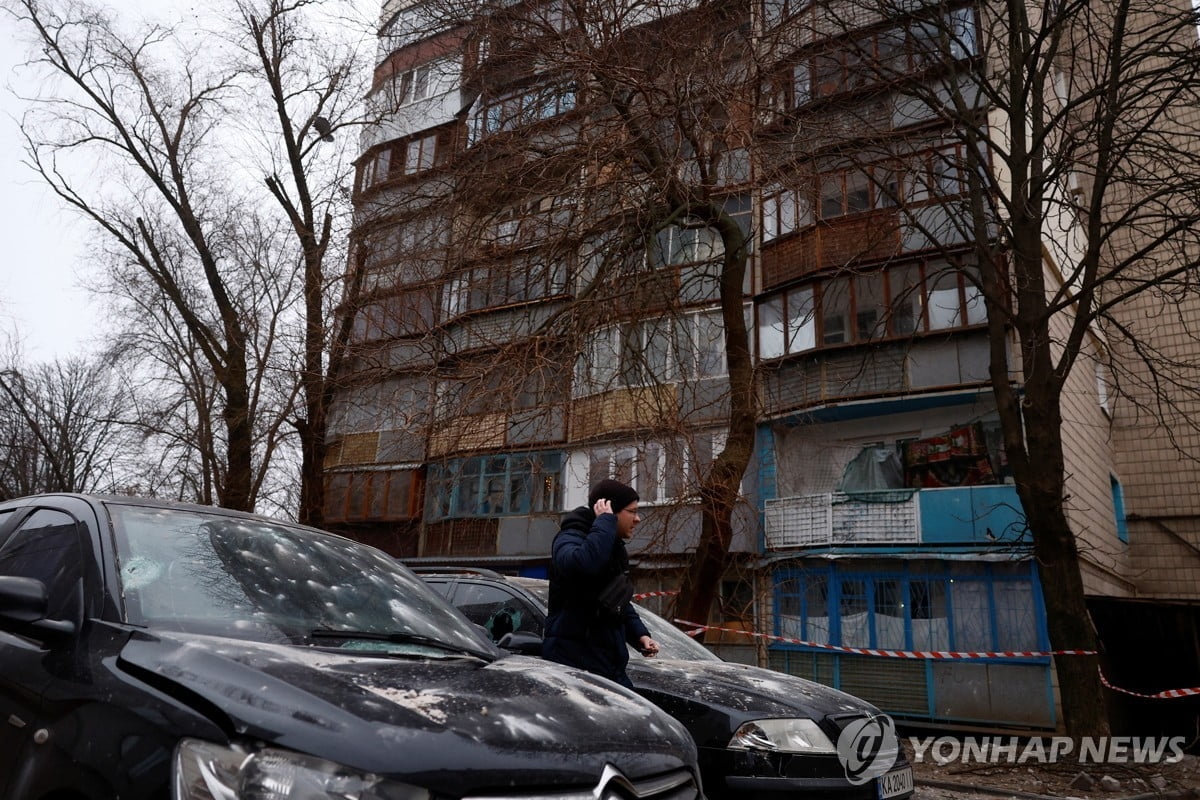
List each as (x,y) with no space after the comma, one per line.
(256,579)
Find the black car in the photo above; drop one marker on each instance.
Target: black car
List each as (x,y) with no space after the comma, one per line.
(151,650)
(760,733)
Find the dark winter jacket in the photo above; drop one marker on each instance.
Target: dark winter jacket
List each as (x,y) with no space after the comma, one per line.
(587,553)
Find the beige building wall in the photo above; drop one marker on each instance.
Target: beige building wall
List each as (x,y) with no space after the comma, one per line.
(1089,463)
(1157,459)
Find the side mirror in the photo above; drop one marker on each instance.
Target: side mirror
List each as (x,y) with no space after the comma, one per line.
(23,606)
(522,643)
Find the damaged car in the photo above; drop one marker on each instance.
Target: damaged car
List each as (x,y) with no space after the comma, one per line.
(761,734)
(155,650)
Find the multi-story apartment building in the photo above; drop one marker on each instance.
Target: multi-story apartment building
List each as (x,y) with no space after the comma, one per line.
(522,330)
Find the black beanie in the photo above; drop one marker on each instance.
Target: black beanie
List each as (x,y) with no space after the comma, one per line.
(615,492)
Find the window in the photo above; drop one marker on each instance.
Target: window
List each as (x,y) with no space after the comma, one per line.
(497,609)
(923,606)
(963,37)
(421,82)
(519,109)
(651,351)
(771,327)
(787,323)
(531,222)
(408,156)
(835,309)
(497,485)
(935,174)
(676,245)
(524,277)
(802,608)
(405,314)
(506,385)
(870,317)
(47,547)
(944,300)
(800,87)
(854,63)
(801,320)
(1118,499)
(370,495)
(785,211)
(892,302)
(858,190)
(661,471)
(403,253)
(906,301)
(419,154)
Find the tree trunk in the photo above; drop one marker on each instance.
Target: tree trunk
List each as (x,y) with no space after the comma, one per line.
(237,493)
(720,489)
(312,427)
(1041,485)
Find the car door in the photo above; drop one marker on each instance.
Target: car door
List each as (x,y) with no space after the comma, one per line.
(45,545)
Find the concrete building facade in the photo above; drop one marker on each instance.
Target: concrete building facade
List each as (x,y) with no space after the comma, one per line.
(879,511)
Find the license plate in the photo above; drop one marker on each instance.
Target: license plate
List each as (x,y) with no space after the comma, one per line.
(896,782)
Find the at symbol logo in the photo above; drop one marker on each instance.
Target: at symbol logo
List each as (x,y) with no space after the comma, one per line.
(867,748)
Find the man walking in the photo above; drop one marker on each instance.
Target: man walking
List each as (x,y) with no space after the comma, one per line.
(591,618)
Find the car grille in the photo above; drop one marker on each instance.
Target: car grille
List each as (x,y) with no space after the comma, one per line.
(678,784)
(840,723)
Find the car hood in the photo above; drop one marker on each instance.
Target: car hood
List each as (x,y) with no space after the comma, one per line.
(713,698)
(456,724)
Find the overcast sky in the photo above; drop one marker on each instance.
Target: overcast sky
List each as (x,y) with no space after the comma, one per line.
(44,255)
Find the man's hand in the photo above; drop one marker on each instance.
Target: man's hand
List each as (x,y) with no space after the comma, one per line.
(603,506)
(648,647)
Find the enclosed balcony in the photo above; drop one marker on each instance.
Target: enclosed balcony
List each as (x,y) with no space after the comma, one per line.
(917,518)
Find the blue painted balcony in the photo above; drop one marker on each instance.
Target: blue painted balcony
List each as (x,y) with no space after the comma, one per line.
(971,516)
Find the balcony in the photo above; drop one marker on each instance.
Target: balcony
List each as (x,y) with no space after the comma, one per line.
(970,515)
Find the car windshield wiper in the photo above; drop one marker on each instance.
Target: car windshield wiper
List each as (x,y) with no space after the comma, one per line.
(398,637)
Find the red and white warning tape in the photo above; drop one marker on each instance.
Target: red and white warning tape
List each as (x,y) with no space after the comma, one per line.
(644,595)
(1169,694)
(893,653)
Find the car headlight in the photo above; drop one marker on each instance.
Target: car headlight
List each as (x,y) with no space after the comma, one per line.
(782,735)
(210,771)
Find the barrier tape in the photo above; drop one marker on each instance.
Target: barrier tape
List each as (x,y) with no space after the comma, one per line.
(644,595)
(938,654)
(1169,694)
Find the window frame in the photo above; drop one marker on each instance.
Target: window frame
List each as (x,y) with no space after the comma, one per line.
(368,495)
(996,615)
(889,304)
(520,108)
(596,368)
(857,62)
(458,488)
(662,472)
(389,161)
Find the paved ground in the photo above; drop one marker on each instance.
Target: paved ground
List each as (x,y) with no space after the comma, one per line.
(1023,781)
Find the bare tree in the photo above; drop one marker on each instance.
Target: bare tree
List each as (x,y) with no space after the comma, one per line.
(62,430)
(313,89)
(212,287)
